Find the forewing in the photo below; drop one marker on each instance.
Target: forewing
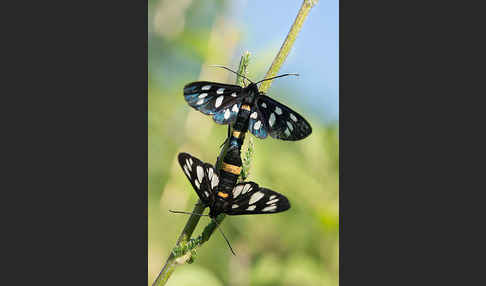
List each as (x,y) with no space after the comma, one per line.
(203,177)
(281,121)
(223,101)
(249,198)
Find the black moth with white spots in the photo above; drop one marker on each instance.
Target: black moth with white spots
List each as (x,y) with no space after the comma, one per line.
(243,198)
(267,116)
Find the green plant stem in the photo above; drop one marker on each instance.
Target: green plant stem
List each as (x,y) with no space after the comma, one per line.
(193,220)
(170,264)
(288,43)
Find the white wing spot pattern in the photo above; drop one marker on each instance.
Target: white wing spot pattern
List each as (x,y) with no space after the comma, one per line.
(251,208)
(272,201)
(256,197)
(214,181)
(218,102)
(270,208)
(293,117)
(200,173)
(271,121)
(237,191)
(187,171)
(291,127)
(246,188)
(257,125)
(278,110)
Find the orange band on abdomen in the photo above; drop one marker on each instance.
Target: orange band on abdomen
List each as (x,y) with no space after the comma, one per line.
(231,169)
(246,107)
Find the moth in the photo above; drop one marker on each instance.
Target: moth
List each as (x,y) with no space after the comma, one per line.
(230,104)
(240,199)
(231,199)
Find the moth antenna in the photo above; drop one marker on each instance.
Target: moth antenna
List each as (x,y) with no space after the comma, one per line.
(224,236)
(223,67)
(282,75)
(181,212)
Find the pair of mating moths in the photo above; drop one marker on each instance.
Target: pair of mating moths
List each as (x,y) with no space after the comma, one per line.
(247,109)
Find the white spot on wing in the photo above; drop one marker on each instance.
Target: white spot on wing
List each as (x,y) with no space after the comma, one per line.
(257,125)
(233,94)
(278,110)
(206,87)
(270,208)
(291,127)
(220,91)
(197,184)
(235,108)
(256,197)
(287,132)
(272,197)
(206,193)
(264,105)
(293,117)
(218,101)
(190,161)
(246,188)
(271,121)
(254,115)
(234,206)
(200,101)
(272,201)
(187,171)
(202,95)
(227,113)
(210,173)
(214,181)
(200,173)
(250,208)
(237,190)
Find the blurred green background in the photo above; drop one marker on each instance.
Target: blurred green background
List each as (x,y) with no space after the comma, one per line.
(296,247)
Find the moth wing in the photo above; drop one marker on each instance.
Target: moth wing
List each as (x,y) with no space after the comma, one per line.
(281,121)
(223,101)
(202,176)
(249,198)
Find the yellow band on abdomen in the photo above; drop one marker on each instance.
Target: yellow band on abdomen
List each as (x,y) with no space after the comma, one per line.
(223,195)
(231,169)
(238,134)
(245,106)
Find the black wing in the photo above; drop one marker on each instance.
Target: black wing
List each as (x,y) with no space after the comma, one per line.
(203,177)
(249,198)
(278,120)
(223,101)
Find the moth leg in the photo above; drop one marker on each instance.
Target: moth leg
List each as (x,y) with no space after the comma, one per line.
(227,137)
